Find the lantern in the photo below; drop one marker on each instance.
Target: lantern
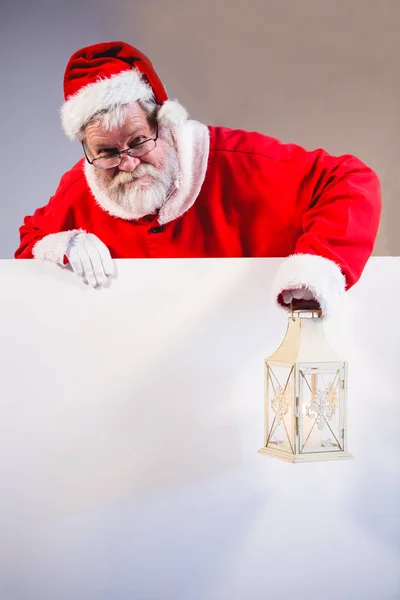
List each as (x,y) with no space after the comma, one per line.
(305,394)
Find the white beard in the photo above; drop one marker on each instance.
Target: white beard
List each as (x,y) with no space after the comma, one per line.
(127,195)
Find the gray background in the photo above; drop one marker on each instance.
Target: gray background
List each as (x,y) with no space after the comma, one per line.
(313,72)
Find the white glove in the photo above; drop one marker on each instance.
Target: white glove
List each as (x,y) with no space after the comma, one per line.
(90,259)
(299,294)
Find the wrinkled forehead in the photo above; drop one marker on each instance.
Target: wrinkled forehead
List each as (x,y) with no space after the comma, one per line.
(117,116)
(122,121)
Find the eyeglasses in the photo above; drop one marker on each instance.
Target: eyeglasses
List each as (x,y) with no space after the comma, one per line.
(113,160)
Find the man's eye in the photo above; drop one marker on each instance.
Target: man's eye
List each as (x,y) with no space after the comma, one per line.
(137,140)
(105,153)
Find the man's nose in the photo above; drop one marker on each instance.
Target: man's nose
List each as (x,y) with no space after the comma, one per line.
(128,163)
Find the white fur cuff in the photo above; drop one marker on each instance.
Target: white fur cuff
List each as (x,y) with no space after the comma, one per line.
(320,275)
(54,246)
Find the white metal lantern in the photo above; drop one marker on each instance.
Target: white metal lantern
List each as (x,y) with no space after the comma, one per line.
(305,395)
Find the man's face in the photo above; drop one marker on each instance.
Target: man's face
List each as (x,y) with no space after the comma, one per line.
(139,185)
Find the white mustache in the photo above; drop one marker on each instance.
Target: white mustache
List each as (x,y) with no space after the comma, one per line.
(123,177)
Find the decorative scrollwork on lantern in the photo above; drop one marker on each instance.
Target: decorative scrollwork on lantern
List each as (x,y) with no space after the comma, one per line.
(323,405)
(281,402)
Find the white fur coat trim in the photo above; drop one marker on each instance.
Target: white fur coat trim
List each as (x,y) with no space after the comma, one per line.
(321,276)
(127,86)
(193,143)
(54,246)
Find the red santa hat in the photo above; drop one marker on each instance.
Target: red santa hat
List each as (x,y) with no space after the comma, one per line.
(105,75)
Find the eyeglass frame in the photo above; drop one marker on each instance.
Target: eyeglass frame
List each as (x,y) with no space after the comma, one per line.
(121,153)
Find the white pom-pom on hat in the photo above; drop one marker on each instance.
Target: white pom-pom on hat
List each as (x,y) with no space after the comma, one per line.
(171,114)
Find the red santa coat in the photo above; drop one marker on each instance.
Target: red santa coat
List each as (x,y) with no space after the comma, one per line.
(242,195)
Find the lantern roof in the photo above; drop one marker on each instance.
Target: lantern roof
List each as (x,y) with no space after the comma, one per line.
(305,340)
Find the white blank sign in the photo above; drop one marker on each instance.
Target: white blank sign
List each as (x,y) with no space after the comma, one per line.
(130,420)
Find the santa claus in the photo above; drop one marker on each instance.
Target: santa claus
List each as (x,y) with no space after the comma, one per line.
(154,184)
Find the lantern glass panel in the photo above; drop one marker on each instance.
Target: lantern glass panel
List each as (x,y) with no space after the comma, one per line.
(280,427)
(321,410)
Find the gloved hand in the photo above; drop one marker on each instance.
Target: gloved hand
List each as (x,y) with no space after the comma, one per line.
(90,259)
(300,298)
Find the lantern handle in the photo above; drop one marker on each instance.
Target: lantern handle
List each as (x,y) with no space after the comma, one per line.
(298,311)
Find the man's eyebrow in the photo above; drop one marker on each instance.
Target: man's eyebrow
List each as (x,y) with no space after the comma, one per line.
(138,131)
